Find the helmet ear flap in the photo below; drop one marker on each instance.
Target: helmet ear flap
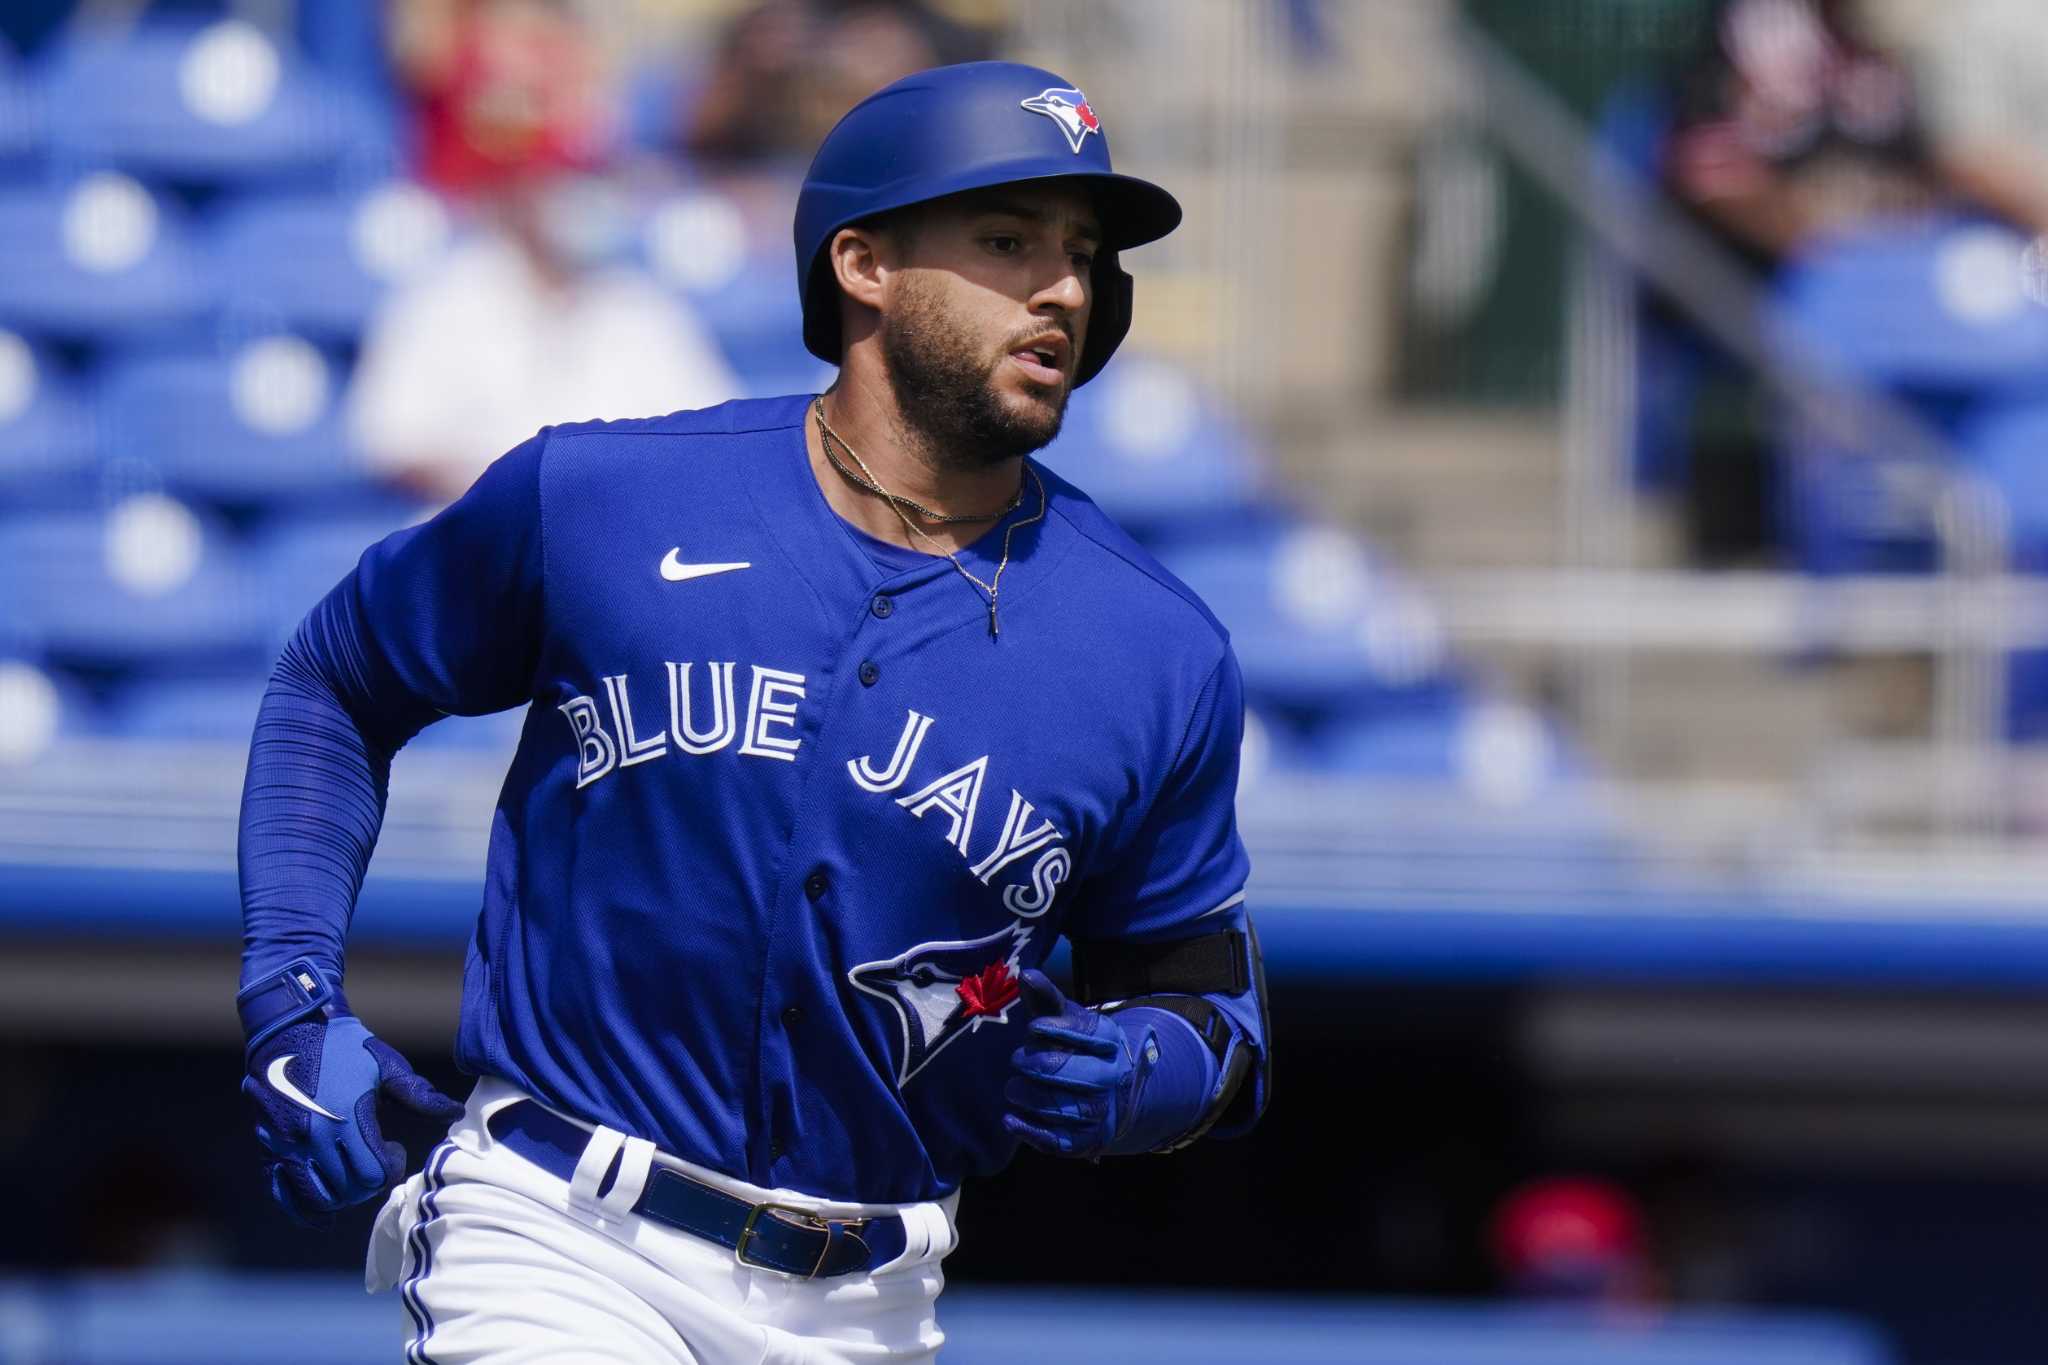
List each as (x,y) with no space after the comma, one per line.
(1109,318)
(821,310)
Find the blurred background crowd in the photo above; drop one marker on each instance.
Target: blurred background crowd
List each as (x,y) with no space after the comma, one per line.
(1611,429)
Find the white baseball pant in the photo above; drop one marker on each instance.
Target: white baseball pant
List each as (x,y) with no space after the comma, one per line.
(495,1264)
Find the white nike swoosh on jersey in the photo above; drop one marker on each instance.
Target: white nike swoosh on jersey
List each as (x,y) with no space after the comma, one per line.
(283,1086)
(675,571)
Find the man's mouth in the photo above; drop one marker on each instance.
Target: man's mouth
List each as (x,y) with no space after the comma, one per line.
(1043,359)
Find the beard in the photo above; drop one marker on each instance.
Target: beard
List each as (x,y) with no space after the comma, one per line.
(949,400)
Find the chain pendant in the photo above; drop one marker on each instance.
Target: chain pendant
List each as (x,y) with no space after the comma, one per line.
(827,440)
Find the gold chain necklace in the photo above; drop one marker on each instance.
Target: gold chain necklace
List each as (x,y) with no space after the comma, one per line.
(828,438)
(991,589)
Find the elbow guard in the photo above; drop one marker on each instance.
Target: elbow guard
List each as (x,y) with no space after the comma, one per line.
(1217,982)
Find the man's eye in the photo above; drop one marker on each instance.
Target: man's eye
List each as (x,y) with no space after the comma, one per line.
(1083,261)
(1005,246)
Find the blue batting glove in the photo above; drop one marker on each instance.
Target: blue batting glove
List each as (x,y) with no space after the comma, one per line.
(315,1075)
(1076,1082)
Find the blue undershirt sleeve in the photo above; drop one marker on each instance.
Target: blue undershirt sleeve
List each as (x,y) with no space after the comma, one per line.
(443,618)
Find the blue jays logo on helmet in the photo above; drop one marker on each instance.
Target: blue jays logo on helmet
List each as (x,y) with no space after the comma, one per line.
(1069,109)
(942,991)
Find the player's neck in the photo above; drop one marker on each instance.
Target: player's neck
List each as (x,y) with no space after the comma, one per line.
(864,417)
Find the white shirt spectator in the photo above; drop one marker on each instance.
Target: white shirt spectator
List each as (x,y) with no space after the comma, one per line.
(1982,69)
(481,352)
(1981,63)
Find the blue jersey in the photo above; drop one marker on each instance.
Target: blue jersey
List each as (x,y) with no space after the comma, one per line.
(785,821)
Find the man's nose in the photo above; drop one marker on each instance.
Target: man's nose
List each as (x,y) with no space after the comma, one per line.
(1066,292)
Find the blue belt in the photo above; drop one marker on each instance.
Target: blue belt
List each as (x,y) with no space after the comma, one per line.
(771,1236)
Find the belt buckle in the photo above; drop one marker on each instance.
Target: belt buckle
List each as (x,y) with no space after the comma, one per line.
(739,1250)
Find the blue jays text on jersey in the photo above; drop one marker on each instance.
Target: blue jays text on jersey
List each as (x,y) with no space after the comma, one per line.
(784,824)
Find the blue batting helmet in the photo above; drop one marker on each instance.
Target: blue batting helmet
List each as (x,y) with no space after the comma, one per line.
(968,127)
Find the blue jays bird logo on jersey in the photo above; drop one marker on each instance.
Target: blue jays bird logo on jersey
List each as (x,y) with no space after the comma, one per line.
(1070,110)
(942,991)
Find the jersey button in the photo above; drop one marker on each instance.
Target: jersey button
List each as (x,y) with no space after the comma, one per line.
(792,1016)
(816,885)
(869,674)
(884,605)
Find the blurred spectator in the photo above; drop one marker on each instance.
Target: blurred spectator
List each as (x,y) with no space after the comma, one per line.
(499,88)
(1984,90)
(1792,124)
(536,317)
(787,69)
(522,325)
(1796,119)
(1575,1239)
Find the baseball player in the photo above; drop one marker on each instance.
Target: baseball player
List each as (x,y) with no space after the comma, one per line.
(843,711)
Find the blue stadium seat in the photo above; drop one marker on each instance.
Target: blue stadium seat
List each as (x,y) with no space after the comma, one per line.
(212,103)
(2008,446)
(1842,510)
(1938,309)
(1497,751)
(221,708)
(97,258)
(1945,313)
(766,362)
(256,426)
(145,583)
(1317,624)
(1416,740)
(1941,313)
(46,430)
(1160,457)
(320,263)
(38,707)
(300,558)
(21,116)
(697,242)
(1469,794)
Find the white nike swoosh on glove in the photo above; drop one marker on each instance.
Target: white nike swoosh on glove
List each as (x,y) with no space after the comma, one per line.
(283,1086)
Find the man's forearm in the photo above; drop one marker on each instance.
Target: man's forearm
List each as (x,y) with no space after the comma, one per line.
(2007,181)
(312,804)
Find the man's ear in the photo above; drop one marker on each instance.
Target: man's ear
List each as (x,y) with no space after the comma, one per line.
(861,259)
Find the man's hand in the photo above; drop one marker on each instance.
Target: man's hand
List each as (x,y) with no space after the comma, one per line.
(315,1082)
(1076,1082)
